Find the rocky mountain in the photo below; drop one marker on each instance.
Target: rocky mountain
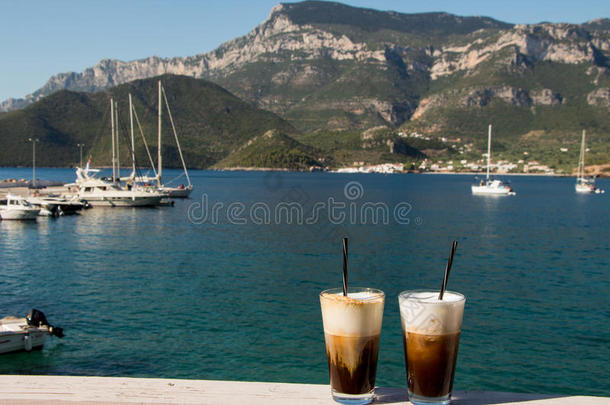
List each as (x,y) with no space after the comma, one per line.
(305,46)
(333,68)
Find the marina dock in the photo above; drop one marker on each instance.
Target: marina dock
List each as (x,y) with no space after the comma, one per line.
(68,390)
(25,191)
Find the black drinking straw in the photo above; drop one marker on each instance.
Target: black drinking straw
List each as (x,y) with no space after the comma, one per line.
(345,267)
(447,270)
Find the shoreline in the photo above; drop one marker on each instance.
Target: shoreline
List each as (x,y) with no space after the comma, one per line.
(334,171)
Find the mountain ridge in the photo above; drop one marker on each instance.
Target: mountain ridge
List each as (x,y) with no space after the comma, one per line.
(286,18)
(333,72)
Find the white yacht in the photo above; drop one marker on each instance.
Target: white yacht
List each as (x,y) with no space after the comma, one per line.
(98,192)
(585,184)
(490,186)
(17,208)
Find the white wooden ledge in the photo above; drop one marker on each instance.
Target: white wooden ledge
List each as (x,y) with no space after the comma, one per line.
(65,390)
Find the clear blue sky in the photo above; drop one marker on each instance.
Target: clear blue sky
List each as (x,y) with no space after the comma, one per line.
(39,38)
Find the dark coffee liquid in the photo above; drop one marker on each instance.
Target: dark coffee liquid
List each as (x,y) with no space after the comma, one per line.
(430,361)
(352,363)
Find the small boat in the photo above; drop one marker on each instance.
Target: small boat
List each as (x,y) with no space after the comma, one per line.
(585,184)
(54,206)
(15,207)
(29,333)
(181,191)
(491,186)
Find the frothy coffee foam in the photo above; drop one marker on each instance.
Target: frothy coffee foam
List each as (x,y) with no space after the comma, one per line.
(358,314)
(424,313)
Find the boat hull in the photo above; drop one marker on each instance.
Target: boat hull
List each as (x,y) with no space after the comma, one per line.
(16,335)
(491,191)
(70,208)
(584,189)
(50,206)
(19,215)
(96,201)
(16,342)
(176,192)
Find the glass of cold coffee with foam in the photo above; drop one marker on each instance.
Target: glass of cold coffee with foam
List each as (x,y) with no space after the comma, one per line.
(352,326)
(431,334)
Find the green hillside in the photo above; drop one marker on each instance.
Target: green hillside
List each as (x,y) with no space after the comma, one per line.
(458,113)
(211,123)
(277,150)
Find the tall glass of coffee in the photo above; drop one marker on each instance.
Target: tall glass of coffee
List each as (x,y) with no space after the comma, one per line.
(431,334)
(352,326)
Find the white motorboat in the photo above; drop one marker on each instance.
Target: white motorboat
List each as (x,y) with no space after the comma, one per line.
(14,207)
(29,333)
(585,184)
(490,186)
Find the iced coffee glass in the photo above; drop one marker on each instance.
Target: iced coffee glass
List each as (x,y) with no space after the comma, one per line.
(352,325)
(431,334)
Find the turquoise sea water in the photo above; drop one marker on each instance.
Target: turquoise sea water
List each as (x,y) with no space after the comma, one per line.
(148,292)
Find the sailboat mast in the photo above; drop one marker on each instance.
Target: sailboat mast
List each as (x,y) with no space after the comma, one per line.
(171,120)
(118,147)
(133,141)
(159,161)
(113,146)
(581,160)
(488,150)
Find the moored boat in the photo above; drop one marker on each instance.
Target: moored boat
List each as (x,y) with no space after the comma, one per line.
(29,333)
(56,206)
(490,186)
(98,192)
(585,184)
(14,207)
(181,191)
(493,187)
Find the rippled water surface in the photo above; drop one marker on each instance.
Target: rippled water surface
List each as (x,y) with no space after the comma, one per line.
(148,292)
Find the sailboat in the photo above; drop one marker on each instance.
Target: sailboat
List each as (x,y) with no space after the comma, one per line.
(109,192)
(584,184)
(182,191)
(491,186)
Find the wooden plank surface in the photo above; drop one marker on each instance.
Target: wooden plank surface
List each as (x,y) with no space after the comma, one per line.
(67,390)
